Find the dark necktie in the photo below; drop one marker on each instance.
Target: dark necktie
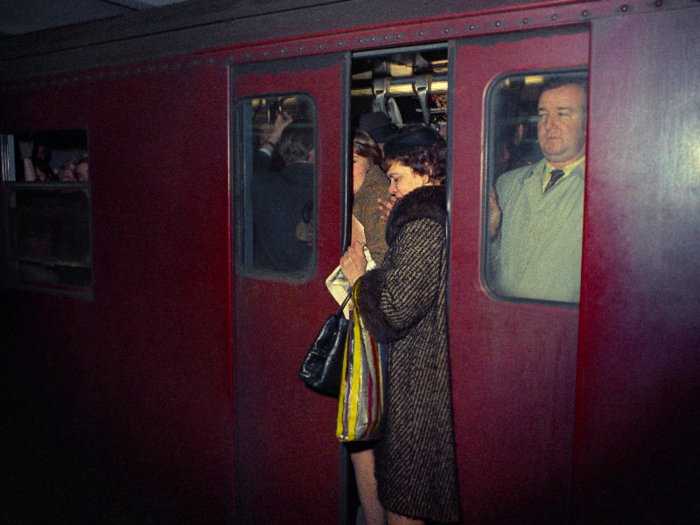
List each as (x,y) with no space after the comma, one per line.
(553,178)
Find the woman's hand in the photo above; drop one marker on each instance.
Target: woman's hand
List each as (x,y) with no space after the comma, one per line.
(357,231)
(281,122)
(353,262)
(386,206)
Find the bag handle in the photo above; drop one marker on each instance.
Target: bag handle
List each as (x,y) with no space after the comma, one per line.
(342,306)
(356,290)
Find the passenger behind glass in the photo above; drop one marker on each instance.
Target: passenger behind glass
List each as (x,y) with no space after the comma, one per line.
(502,151)
(43,171)
(522,149)
(82,169)
(77,168)
(280,201)
(538,252)
(266,155)
(36,162)
(66,173)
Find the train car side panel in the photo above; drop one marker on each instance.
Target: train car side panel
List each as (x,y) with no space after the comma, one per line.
(638,401)
(128,395)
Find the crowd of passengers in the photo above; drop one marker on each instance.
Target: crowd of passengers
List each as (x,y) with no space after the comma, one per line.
(36,164)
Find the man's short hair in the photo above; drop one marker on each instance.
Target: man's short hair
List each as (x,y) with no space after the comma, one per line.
(557,82)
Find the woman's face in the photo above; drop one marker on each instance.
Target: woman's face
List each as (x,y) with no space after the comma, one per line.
(67,175)
(360,166)
(404,180)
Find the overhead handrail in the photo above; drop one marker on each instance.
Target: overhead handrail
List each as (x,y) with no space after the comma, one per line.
(421,86)
(380,89)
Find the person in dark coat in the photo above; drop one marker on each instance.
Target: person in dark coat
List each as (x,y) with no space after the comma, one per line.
(281,201)
(404,304)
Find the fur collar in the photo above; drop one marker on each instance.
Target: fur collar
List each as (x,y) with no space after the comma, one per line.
(426,202)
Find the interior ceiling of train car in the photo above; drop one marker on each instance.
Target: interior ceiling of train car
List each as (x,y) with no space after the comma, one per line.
(19,17)
(409,84)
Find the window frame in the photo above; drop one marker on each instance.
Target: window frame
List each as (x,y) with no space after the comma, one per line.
(492,132)
(13,260)
(242,163)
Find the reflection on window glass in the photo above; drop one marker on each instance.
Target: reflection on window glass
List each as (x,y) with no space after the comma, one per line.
(47,207)
(536,167)
(275,201)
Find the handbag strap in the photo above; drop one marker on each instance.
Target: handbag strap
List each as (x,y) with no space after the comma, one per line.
(340,308)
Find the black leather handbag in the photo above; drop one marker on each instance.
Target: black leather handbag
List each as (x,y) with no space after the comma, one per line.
(323,365)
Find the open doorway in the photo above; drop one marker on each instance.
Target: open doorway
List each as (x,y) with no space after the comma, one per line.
(390,90)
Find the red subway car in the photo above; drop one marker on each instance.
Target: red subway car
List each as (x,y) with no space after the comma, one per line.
(150,355)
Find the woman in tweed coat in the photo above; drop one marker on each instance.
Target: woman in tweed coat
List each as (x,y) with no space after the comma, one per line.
(404,304)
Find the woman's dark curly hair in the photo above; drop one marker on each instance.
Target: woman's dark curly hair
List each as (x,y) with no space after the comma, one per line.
(428,160)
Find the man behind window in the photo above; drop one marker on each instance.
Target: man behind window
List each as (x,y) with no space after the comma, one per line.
(538,252)
(282,200)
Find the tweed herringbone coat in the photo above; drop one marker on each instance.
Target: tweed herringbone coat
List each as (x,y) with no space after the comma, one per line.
(404,304)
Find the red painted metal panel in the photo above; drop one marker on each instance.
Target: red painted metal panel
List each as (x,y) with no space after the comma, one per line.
(129,394)
(513,364)
(638,405)
(286,450)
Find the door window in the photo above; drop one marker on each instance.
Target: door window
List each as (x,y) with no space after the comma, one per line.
(276,186)
(535,170)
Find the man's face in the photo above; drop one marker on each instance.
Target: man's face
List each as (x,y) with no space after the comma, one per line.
(67,175)
(562,124)
(41,152)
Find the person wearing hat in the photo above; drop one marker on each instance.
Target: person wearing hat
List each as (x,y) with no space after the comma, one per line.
(379,126)
(404,304)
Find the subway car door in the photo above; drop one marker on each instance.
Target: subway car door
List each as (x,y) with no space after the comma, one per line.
(514,358)
(286,212)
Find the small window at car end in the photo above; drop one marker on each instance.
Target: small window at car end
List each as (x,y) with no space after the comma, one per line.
(47,210)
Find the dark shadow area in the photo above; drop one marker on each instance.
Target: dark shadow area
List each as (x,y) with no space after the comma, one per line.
(50,472)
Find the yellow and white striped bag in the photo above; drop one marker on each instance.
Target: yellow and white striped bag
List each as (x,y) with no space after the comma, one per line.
(363,387)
